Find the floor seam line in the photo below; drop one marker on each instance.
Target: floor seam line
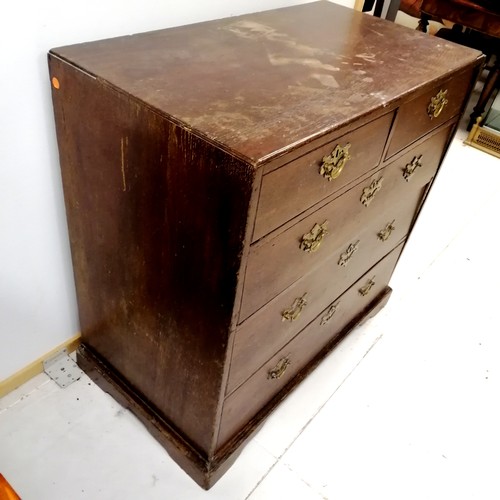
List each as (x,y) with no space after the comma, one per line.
(278,459)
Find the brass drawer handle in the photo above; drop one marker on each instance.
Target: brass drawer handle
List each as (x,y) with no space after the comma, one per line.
(346,256)
(279,369)
(334,163)
(365,290)
(329,314)
(410,168)
(385,233)
(437,104)
(370,191)
(311,241)
(293,312)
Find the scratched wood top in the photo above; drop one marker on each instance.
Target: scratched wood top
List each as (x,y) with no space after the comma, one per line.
(257,84)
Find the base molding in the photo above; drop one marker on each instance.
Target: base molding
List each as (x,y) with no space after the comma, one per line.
(36,367)
(206,471)
(179,449)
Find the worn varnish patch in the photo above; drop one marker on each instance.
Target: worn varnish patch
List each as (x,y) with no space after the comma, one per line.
(263,63)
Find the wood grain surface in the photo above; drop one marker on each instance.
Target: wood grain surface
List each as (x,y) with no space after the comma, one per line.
(164,141)
(263,82)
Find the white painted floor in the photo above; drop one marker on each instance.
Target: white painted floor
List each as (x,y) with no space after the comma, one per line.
(407,407)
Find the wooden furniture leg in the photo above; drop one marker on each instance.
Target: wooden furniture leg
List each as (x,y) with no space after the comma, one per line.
(379,5)
(423,23)
(490,84)
(393,10)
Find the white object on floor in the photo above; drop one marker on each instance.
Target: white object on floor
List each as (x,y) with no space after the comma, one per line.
(62,369)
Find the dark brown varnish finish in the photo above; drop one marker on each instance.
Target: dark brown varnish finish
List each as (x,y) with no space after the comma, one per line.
(413,120)
(242,405)
(190,160)
(268,274)
(157,220)
(298,186)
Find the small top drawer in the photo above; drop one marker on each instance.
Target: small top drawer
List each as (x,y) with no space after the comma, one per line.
(300,184)
(417,117)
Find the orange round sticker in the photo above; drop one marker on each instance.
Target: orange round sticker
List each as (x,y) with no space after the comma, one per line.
(55,82)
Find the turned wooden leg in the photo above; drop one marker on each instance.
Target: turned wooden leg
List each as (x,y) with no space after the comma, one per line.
(423,23)
(490,84)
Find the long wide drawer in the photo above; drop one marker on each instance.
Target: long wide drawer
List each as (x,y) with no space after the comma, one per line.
(272,326)
(270,379)
(300,184)
(277,262)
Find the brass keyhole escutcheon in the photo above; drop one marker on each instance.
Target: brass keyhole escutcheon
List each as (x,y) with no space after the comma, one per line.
(346,256)
(329,314)
(437,104)
(293,312)
(311,241)
(365,290)
(410,168)
(384,234)
(370,191)
(333,164)
(279,370)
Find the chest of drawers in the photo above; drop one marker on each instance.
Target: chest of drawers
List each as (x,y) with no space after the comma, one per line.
(238,193)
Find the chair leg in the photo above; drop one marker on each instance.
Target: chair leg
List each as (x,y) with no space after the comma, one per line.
(378,8)
(423,23)
(368,5)
(490,85)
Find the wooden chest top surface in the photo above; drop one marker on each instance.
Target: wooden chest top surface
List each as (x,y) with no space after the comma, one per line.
(258,84)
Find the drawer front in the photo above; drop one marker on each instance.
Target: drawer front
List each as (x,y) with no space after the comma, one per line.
(245,402)
(275,324)
(419,164)
(276,263)
(418,116)
(300,184)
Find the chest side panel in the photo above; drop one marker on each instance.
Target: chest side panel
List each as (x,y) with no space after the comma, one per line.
(157,220)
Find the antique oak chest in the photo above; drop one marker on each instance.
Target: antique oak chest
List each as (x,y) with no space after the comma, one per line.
(238,193)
